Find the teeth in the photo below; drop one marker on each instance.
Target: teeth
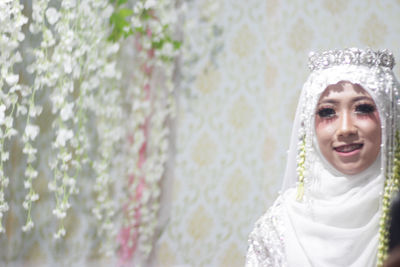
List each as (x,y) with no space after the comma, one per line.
(348,148)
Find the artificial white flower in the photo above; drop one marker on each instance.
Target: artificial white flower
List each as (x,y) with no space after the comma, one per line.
(66,156)
(136,23)
(27,184)
(35,111)
(28,226)
(67,65)
(2,114)
(71,182)
(52,186)
(48,39)
(9,122)
(12,79)
(60,233)
(31,173)
(149,4)
(57,100)
(34,197)
(60,214)
(29,149)
(31,131)
(65,205)
(33,27)
(52,15)
(9,133)
(5,181)
(67,4)
(67,111)
(5,156)
(21,110)
(4,207)
(109,70)
(138,7)
(17,57)
(112,49)
(168,50)
(63,136)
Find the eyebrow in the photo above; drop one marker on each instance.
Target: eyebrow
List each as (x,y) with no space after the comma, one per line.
(335,101)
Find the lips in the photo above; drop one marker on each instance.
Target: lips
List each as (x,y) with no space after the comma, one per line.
(348,148)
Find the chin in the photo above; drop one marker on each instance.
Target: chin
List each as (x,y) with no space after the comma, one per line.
(351,169)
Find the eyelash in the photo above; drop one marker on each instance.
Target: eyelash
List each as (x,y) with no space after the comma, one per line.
(361,109)
(365,108)
(326,112)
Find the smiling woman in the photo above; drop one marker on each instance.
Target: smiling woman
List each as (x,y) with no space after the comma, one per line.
(341,171)
(347,127)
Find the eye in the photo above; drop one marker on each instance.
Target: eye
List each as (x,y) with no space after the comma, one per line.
(326,112)
(365,108)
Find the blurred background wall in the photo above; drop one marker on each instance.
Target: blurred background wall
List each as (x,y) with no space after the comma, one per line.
(234,122)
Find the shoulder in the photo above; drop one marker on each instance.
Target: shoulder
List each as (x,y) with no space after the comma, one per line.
(266,247)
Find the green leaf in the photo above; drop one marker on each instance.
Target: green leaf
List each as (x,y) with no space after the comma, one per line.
(113,18)
(125,12)
(165,27)
(113,37)
(119,23)
(139,29)
(120,2)
(128,33)
(145,15)
(158,45)
(165,58)
(176,44)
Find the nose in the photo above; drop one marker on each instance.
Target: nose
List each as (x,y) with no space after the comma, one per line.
(346,125)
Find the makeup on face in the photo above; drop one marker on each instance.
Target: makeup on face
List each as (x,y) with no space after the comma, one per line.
(348,128)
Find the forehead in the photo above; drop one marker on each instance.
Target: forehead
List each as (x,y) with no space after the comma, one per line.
(343,90)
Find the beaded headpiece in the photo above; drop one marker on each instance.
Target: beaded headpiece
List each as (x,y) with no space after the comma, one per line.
(350,56)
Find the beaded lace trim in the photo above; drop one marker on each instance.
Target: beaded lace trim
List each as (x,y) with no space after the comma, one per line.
(266,241)
(350,56)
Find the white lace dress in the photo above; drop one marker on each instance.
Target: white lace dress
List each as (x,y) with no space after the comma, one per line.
(266,241)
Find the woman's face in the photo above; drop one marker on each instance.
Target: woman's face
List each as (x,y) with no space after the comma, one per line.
(348,127)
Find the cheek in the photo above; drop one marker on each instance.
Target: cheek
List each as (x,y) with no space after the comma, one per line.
(375,136)
(324,131)
(372,128)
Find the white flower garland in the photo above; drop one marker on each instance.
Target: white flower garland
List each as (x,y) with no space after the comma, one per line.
(11,21)
(110,130)
(79,76)
(77,66)
(101,95)
(147,127)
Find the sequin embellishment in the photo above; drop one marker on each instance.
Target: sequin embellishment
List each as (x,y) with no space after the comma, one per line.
(266,241)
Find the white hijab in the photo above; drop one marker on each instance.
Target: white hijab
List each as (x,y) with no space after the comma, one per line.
(337,223)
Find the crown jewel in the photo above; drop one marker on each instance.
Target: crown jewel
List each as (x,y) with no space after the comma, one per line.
(350,56)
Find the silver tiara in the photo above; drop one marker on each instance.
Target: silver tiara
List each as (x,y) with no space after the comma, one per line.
(350,56)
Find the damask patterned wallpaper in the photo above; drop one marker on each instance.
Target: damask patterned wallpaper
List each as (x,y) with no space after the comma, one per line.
(234,123)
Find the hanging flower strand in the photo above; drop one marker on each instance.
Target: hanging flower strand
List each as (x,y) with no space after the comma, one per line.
(82,63)
(66,26)
(44,78)
(63,106)
(11,21)
(147,134)
(109,121)
(107,108)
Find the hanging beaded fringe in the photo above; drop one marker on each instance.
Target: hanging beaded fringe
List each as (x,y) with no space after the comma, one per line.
(391,187)
(301,169)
